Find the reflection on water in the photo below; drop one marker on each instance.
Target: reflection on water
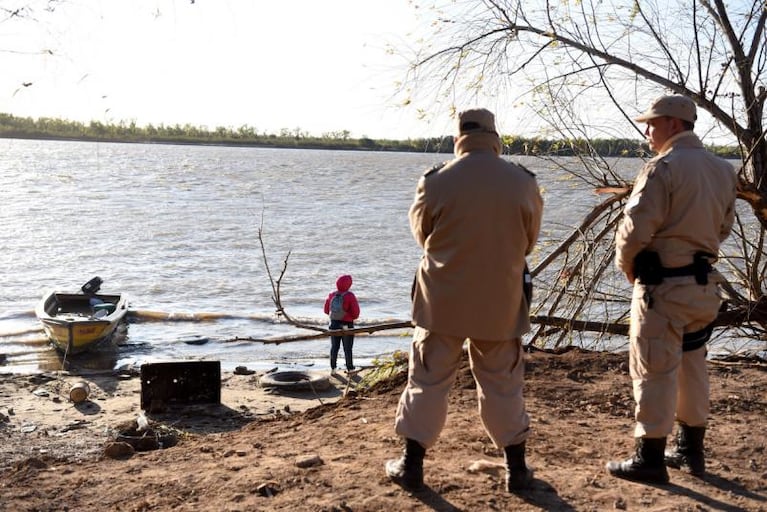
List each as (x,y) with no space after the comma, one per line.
(101,357)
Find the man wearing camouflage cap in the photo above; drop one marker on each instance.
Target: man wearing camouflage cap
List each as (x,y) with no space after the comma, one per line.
(476,218)
(680,210)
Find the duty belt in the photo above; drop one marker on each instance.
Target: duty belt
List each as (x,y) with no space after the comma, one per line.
(650,271)
(688,270)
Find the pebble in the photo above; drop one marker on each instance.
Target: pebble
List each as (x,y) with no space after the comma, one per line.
(309,461)
(119,450)
(267,489)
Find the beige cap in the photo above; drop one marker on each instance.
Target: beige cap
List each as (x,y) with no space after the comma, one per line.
(676,105)
(476,120)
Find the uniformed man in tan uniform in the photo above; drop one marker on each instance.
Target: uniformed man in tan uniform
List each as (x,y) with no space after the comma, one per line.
(476,217)
(679,212)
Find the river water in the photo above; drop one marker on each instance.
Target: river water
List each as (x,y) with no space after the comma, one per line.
(176,228)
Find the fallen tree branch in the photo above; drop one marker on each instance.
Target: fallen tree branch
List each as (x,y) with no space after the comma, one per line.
(326,333)
(568,324)
(752,313)
(276,299)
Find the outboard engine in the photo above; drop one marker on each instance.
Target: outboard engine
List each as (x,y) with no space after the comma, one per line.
(92,286)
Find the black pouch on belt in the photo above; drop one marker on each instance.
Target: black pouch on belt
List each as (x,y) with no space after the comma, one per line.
(648,268)
(701,266)
(527,285)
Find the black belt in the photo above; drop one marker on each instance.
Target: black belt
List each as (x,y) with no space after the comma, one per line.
(687,270)
(649,270)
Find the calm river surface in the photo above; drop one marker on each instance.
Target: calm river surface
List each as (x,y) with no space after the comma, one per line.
(176,229)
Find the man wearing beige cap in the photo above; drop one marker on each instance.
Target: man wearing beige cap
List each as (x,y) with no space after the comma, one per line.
(476,218)
(679,212)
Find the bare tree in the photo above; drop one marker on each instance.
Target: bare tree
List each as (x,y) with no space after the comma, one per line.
(585,68)
(282,313)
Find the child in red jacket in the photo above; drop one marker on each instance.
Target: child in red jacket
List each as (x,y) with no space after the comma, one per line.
(343,308)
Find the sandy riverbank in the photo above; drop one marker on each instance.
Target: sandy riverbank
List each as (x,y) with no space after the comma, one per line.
(261,451)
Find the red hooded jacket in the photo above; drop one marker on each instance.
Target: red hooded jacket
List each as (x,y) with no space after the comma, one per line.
(351,306)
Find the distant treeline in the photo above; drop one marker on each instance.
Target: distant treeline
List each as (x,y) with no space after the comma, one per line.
(61,129)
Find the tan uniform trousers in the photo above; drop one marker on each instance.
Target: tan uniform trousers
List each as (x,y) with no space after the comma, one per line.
(670,384)
(498,368)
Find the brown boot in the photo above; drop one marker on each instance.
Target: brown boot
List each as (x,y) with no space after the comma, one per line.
(688,454)
(518,475)
(646,465)
(407,471)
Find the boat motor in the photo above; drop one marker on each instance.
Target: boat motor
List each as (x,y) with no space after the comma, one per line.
(92,286)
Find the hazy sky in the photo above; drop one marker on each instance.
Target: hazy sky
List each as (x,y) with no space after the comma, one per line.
(309,65)
(319,66)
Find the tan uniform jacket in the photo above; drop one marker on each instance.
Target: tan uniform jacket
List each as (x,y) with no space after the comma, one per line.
(683,202)
(476,219)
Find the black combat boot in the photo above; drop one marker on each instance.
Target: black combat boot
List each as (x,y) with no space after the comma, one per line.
(688,455)
(518,475)
(407,471)
(646,465)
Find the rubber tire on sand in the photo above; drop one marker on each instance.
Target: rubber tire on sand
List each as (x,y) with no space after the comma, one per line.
(295,381)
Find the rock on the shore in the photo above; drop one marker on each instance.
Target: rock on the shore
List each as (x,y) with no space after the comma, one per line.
(119,450)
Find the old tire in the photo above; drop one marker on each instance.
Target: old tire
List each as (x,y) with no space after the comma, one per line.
(295,381)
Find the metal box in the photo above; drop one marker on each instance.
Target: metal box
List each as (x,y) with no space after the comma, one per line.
(195,382)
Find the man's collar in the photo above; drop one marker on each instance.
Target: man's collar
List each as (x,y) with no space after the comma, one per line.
(670,142)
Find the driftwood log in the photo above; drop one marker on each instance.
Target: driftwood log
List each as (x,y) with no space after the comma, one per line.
(752,313)
(327,332)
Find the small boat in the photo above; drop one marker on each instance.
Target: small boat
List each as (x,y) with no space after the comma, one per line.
(77,321)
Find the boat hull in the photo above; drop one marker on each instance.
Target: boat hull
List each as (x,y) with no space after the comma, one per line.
(74,324)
